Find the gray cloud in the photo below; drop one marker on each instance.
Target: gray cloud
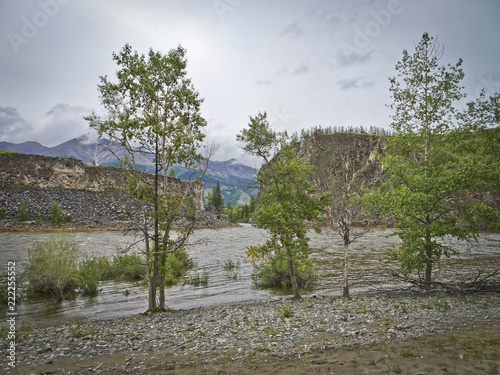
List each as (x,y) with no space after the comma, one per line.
(301,69)
(347,57)
(12,124)
(354,83)
(64,122)
(294,30)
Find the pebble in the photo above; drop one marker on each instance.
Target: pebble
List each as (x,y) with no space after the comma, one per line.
(256,327)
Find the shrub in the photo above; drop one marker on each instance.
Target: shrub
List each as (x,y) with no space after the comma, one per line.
(53,266)
(55,214)
(176,266)
(91,272)
(23,214)
(274,272)
(127,267)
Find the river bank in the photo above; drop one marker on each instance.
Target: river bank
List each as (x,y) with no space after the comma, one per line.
(258,334)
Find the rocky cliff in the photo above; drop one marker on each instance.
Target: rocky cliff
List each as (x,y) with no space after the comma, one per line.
(353,159)
(85,194)
(337,156)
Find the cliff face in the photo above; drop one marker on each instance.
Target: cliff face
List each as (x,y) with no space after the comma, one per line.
(84,193)
(345,156)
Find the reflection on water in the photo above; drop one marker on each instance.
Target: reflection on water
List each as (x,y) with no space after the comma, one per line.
(210,248)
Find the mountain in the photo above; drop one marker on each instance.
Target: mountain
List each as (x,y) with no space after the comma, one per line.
(30,147)
(237,181)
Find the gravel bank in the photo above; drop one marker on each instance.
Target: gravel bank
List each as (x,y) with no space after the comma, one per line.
(283,327)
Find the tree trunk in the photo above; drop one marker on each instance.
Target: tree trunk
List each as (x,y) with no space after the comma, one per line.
(295,287)
(428,267)
(151,283)
(428,256)
(345,292)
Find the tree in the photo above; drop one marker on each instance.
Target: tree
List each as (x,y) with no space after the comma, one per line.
(55,214)
(215,198)
(343,212)
(432,161)
(153,109)
(23,214)
(286,199)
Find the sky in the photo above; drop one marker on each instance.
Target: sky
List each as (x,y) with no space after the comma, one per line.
(304,62)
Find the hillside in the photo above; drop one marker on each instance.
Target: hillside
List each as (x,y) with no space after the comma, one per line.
(237,181)
(86,195)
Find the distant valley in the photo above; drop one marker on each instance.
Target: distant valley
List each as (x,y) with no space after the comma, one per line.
(237,181)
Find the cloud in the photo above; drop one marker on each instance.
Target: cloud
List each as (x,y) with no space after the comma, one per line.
(264,82)
(64,122)
(63,109)
(294,29)
(348,55)
(301,69)
(12,125)
(354,83)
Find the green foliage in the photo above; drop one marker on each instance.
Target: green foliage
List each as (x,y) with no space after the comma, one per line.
(155,106)
(55,214)
(307,133)
(434,160)
(287,198)
(286,311)
(176,266)
(215,198)
(190,210)
(23,214)
(274,272)
(127,267)
(53,266)
(240,213)
(197,279)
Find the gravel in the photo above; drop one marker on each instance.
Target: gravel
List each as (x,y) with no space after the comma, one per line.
(283,327)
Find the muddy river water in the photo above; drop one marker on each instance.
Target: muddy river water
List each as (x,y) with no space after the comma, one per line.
(210,249)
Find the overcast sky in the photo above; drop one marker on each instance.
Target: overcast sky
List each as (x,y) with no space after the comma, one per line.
(305,62)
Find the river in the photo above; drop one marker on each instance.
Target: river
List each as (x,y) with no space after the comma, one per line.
(210,248)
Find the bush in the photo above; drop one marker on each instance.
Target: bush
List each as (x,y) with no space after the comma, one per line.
(53,266)
(273,272)
(55,214)
(176,266)
(91,272)
(23,214)
(127,267)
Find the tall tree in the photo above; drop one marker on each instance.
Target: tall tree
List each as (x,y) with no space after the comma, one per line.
(154,109)
(286,199)
(344,211)
(431,171)
(215,198)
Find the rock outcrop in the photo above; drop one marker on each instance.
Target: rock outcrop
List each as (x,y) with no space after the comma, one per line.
(86,195)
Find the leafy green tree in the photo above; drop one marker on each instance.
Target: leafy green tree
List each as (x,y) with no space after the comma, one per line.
(55,214)
(287,197)
(215,198)
(432,160)
(153,108)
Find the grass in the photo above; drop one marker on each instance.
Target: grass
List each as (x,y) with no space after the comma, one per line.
(197,279)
